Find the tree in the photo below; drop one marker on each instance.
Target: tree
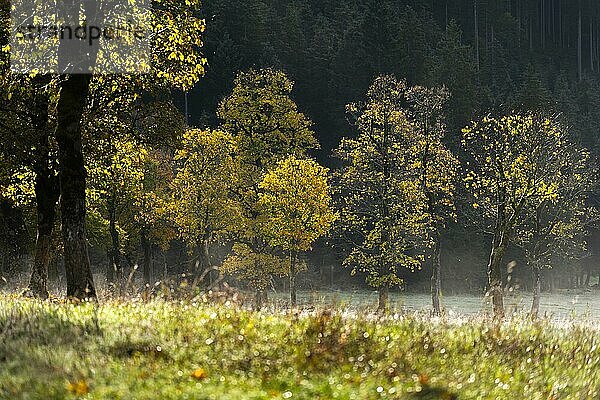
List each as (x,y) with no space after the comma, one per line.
(257,266)
(202,207)
(437,168)
(382,209)
(556,228)
(26,131)
(267,127)
(514,164)
(115,176)
(264,119)
(296,204)
(175,62)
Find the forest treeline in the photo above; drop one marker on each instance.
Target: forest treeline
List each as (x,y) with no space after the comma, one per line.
(461,137)
(493,57)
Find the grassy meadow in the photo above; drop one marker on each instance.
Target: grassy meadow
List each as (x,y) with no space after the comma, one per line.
(201,349)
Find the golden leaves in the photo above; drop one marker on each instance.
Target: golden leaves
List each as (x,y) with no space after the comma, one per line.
(78,388)
(297,203)
(199,374)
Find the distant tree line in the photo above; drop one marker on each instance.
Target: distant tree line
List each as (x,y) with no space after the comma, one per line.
(453,130)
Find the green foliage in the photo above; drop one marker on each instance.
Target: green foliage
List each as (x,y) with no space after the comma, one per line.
(437,166)
(383,213)
(517,162)
(556,229)
(202,207)
(255,266)
(115,176)
(264,119)
(267,128)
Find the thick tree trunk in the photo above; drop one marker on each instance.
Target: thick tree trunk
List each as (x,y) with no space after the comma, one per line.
(73,96)
(436,279)
(384,294)
(537,291)
(293,299)
(46,194)
(147,263)
(495,275)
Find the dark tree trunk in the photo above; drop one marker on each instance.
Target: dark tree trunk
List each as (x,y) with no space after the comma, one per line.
(537,291)
(110,269)
(293,299)
(436,279)
(384,294)
(147,264)
(46,194)
(73,96)
(260,298)
(495,275)
(115,252)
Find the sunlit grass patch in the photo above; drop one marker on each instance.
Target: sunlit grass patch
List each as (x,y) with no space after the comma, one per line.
(201,350)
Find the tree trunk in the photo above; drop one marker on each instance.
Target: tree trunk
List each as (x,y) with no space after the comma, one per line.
(588,276)
(436,280)
(293,300)
(384,294)
(110,271)
(115,258)
(495,275)
(206,264)
(537,291)
(147,263)
(46,194)
(260,298)
(73,96)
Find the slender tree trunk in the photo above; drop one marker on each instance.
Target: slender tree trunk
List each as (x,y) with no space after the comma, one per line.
(147,262)
(46,194)
(383,303)
(110,268)
(293,256)
(588,276)
(73,96)
(207,264)
(495,288)
(537,291)
(115,258)
(436,279)
(260,298)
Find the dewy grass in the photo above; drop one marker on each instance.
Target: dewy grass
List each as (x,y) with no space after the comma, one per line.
(202,350)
